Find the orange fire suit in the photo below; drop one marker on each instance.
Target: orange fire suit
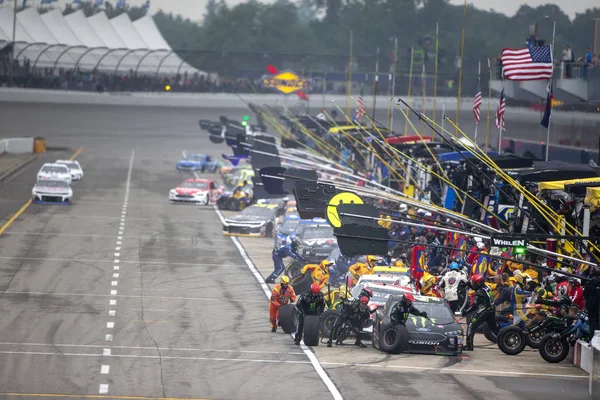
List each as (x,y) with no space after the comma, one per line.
(279,298)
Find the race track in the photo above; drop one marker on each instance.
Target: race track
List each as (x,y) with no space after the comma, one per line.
(123,295)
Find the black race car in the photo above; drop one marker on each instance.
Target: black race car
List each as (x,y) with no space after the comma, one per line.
(316,240)
(437,334)
(256,220)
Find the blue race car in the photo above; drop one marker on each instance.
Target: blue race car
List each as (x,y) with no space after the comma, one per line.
(286,228)
(198,162)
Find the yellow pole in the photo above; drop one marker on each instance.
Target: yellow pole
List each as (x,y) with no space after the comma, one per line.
(410,71)
(349,81)
(487,122)
(462,54)
(424,77)
(435,79)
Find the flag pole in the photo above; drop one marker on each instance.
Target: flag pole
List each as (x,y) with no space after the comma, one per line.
(550,88)
(349,81)
(393,88)
(424,77)
(462,54)
(375,85)
(410,72)
(487,123)
(435,78)
(500,123)
(478,84)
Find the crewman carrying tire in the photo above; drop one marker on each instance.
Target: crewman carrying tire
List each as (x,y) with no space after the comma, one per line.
(311,302)
(282,294)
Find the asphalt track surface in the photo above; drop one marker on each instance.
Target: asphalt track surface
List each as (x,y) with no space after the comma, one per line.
(123,295)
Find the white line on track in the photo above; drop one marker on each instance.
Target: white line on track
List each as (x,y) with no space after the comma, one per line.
(452,371)
(311,356)
(116,261)
(105,369)
(113,293)
(142,237)
(190,349)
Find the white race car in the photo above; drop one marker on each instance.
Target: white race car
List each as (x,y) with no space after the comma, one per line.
(51,171)
(74,168)
(52,191)
(199,191)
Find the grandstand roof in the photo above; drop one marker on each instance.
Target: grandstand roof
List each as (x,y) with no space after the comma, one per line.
(55,41)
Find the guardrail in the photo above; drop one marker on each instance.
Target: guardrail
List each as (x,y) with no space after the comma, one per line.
(16,145)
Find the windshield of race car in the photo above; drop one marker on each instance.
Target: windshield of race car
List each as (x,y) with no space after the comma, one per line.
(72,166)
(56,168)
(315,232)
(288,226)
(262,212)
(60,184)
(194,185)
(437,311)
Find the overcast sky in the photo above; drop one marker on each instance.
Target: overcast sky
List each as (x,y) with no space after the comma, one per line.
(194,9)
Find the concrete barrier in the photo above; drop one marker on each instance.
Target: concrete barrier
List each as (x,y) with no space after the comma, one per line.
(19,145)
(2,146)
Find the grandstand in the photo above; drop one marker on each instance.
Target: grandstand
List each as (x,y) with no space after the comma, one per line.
(52,41)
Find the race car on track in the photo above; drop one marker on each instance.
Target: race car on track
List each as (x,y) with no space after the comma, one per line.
(287,226)
(54,172)
(439,333)
(199,191)
(256,220)
(316,240)
(74,168)
(198,162)
(54,191)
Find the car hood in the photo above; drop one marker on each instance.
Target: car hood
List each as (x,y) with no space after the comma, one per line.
(246,218)
(319,242)
(50,189)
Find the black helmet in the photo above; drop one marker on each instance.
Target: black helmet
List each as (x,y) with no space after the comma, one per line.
(295,243)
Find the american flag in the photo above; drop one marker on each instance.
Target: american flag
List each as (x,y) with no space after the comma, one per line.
(360,106)
(477,102)
(500,112)
(527,64)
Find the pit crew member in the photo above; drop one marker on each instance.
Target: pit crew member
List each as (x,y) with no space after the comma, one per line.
(310,303)
(482,308)
(290,250)
(281,295)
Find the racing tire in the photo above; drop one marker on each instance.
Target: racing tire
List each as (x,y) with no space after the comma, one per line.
(288,318)
(269,231)
(394,339)
(221,203)
(293,270)
(533,339)
(311,330)
(233,204)
(326,322)
(554,350)
(301,283)
(511,340)
(487,332)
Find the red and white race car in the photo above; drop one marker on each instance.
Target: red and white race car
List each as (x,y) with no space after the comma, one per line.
(199,191)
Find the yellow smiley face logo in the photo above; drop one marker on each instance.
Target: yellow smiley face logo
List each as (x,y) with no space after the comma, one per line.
(340,198)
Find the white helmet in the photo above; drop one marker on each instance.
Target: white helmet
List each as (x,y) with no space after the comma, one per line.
(420,211)
(478,239)
(480,245)
(428,214)
(403,208)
